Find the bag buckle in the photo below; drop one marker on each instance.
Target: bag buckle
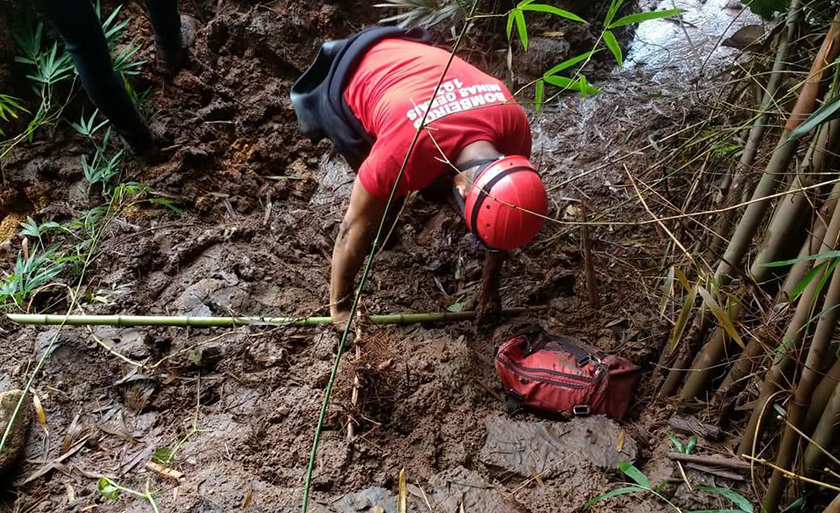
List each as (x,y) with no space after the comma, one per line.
(581,410)
(583,362)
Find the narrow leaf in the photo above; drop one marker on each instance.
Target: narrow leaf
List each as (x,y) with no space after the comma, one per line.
(613,493)
(721,316)
(682,319)
(830,110)
(738,499)
(615,5)
(633,473)
(522,29)
(677,444)
(108,489)
(511,15)
(783,263)
(568,63)
(692,443)
(683,280)
(539,90)
(640,17)
(806,280)
(553,10)
(567,83)
(615,48)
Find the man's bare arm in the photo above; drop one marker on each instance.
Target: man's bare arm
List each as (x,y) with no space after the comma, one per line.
(351,246)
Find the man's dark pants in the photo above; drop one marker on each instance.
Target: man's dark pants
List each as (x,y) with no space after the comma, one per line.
(78,25)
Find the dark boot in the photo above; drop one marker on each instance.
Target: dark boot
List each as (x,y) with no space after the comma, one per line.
(172,60)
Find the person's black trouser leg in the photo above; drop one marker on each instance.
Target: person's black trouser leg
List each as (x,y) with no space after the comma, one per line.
(166,22)
(76,21)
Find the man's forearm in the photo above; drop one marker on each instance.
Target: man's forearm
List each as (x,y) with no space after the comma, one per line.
(348,257)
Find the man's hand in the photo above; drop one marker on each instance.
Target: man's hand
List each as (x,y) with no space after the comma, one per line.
(351,246)
(488,301)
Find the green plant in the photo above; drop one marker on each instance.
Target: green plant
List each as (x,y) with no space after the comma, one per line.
(9,107)
(684,448)
(517,16)
(88,127)
(610,23)
(33,270)
(643,485)
(109,489)
(101,169)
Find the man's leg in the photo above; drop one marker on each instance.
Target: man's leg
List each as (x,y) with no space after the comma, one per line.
(174,34)
(76,21)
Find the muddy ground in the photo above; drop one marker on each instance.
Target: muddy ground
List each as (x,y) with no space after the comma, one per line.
(261,209)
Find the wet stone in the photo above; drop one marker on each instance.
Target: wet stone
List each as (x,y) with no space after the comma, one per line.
(526,447)
(461,486)
(334,183)
(16,441)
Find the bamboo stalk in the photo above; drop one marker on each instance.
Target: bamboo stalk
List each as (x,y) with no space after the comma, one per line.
(786,222)
(212,322)
(794,335)
(834,507)
(756,134)
(824,434)
(782,156)
(821,396)
(746,362)
(802,396)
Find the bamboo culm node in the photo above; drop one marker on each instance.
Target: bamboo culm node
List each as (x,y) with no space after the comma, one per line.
(213,322)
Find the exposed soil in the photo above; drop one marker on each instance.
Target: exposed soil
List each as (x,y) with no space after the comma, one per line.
(262,207)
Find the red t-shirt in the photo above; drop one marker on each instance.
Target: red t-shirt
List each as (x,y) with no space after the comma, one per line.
(388,92)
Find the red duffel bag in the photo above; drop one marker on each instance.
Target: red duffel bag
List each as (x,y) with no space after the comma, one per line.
(558,374)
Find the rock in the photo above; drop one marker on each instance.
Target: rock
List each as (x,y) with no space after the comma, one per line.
(368,500)
(459,485)
(335,181)
(547,447)
(16,442)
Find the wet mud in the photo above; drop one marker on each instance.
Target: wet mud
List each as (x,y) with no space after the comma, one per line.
(261,210)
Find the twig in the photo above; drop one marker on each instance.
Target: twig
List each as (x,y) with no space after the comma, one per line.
(589,266)
(732,463)
(791,475)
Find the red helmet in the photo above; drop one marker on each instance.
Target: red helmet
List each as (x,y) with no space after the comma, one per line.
(502,202)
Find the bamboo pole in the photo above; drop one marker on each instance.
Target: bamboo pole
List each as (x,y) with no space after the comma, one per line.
(747,360)
(212,322)
(802,396)
(786,222)
(794,335)
(782,156)
(756,134)
(821,396)
(773,175)
(824,434)
(834,507)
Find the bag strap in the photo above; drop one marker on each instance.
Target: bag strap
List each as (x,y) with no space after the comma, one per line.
(536,339)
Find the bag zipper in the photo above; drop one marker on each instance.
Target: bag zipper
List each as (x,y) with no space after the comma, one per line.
(514,367)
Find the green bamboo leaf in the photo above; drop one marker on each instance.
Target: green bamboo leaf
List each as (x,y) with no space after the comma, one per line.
(806,280)
(615,5)
(521,29)
(783,263)
(635,474)
(640,17)
(539,87)
(692,443)
(552,10)
(738,499)
(511,16)
(567,83)
(613,493)
(615,48)
(682,319)
(584,85)
(721,316)
(569,63)
(677,444)
(830,110)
